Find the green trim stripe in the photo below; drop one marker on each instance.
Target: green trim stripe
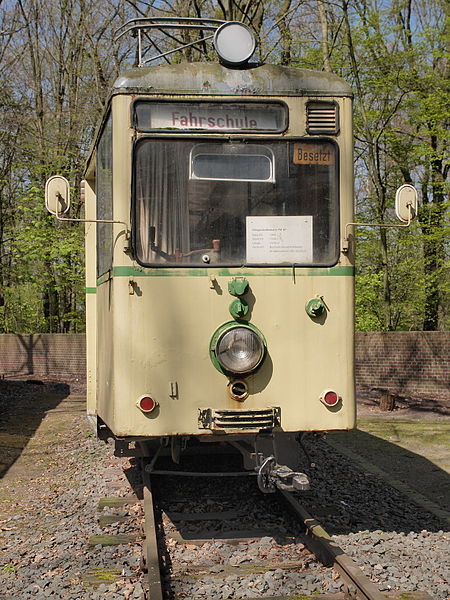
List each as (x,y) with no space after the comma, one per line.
(135,271)
(251,272)
(91,290)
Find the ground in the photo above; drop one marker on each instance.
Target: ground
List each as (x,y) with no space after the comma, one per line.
(411,443)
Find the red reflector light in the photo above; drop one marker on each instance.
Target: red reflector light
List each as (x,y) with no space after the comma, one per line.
(147,404)
(330,398)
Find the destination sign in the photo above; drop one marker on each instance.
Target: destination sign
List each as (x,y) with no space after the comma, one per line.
(307,153)
(210,116)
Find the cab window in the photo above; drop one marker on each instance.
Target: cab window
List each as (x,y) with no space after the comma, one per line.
(235,203)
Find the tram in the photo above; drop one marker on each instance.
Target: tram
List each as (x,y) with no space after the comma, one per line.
(219,260)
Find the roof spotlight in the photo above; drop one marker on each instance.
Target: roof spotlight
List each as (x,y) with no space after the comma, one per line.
(234,43)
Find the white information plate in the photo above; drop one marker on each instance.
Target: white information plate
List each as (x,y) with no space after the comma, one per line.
(275,240)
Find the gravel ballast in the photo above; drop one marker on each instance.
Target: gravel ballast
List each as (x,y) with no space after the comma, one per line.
(49,500)
(398,544)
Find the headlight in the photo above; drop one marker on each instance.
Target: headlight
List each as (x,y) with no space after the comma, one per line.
(237,349)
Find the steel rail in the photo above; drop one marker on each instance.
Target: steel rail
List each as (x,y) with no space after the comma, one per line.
(152,557)
(328,552)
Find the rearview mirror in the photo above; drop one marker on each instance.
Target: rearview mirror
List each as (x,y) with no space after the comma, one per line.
(57,195)
(406,203)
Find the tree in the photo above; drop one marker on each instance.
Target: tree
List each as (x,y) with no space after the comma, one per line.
(59,69)
(401,126)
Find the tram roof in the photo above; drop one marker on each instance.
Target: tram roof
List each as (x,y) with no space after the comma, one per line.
(214,78)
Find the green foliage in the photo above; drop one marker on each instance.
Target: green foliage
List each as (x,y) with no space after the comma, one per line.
(368,288)
(47,292)
(402,111)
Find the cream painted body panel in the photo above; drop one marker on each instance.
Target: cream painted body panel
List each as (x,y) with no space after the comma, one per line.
(172,320)
(91,302)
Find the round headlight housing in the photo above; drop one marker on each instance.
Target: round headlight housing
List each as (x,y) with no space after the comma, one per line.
(234,43)
(237,349)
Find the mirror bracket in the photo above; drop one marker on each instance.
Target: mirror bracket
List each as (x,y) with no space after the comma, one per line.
(57,202)
(405,209)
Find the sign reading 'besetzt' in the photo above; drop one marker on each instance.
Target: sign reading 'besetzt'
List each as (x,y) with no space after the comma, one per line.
(307,153)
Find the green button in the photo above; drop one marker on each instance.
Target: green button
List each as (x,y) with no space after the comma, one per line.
(238,286)
(238,308)
(315,307)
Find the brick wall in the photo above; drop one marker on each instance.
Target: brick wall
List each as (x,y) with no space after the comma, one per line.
(56,356)
(410,363)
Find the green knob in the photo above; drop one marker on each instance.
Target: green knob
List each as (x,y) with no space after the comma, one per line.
(238,286)
(315,307)
(238,308)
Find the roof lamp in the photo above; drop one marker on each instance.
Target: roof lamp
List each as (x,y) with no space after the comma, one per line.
(234,43)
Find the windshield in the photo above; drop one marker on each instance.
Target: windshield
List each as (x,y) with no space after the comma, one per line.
(234,203)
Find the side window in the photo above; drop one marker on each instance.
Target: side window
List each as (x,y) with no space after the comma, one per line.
(104,195)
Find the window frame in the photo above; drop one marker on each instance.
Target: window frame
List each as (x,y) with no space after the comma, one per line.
(104,231)
(194,139)
(212,132)
(207,152)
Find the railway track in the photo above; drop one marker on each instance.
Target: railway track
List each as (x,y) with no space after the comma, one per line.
(214,535)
